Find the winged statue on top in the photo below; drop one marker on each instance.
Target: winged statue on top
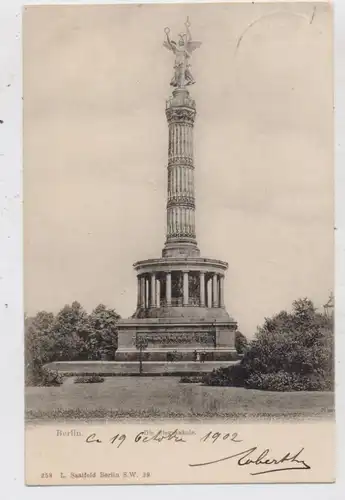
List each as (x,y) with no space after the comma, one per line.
(183,50)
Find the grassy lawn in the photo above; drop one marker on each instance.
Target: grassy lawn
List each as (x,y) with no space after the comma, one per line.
(164,397)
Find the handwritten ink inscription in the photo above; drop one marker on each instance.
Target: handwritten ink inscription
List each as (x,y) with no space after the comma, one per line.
(253,456)
(215,436)
(261,458)
(141,437)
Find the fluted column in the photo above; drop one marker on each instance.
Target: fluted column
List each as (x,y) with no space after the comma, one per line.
(185,289)
(202,289)
(158,293)
(138,292)
(147,293)
(221,291)
(206,291)
(168,289)
(215,291)
(153,290)
(142,291)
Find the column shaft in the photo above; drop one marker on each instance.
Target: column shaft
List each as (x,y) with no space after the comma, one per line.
(147,293)
(168,289)
(202,289)
(215,291)
(221,291)
(153,290)
(142,291)
(138,292)
(185,289)
(158,293)
(180,218)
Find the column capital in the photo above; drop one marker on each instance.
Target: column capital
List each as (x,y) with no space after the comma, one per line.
(180,115)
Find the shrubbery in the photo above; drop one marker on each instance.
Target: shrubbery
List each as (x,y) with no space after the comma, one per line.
(45,377)
(291,352)
(172,356)
(193,379)
(51,378)
(285,381)
(89,379)
(234,376)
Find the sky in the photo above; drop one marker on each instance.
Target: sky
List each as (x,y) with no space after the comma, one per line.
(95,151)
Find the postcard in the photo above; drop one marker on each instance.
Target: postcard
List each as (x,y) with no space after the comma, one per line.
(178,243)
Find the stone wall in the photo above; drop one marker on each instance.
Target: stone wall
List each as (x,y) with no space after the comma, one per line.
(112,368)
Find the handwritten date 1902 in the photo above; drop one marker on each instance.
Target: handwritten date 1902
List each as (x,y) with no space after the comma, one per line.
(212,437)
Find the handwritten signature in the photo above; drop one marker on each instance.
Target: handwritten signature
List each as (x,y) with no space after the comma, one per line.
(247,457)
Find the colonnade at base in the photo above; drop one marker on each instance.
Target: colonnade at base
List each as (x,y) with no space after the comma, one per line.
(180,289)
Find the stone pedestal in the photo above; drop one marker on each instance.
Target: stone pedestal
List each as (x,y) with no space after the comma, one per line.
(179,334)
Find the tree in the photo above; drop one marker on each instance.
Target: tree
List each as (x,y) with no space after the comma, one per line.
(71,335)
(102,339)
(71,330)
(292,351)
(39,344)
(241,342)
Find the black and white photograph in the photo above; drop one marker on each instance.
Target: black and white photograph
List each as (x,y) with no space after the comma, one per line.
(178,242)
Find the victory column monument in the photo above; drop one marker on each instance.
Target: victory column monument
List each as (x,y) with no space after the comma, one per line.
(180,302)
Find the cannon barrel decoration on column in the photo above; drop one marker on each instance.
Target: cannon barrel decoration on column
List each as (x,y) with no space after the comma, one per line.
(183,318)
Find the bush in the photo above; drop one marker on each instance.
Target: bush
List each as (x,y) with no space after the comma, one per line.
(91,379)
(185,379)
(50,378)
(234,376)
(172,356)
(284,381)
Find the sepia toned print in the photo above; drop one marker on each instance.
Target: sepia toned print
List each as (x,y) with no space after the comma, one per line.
(178,181)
